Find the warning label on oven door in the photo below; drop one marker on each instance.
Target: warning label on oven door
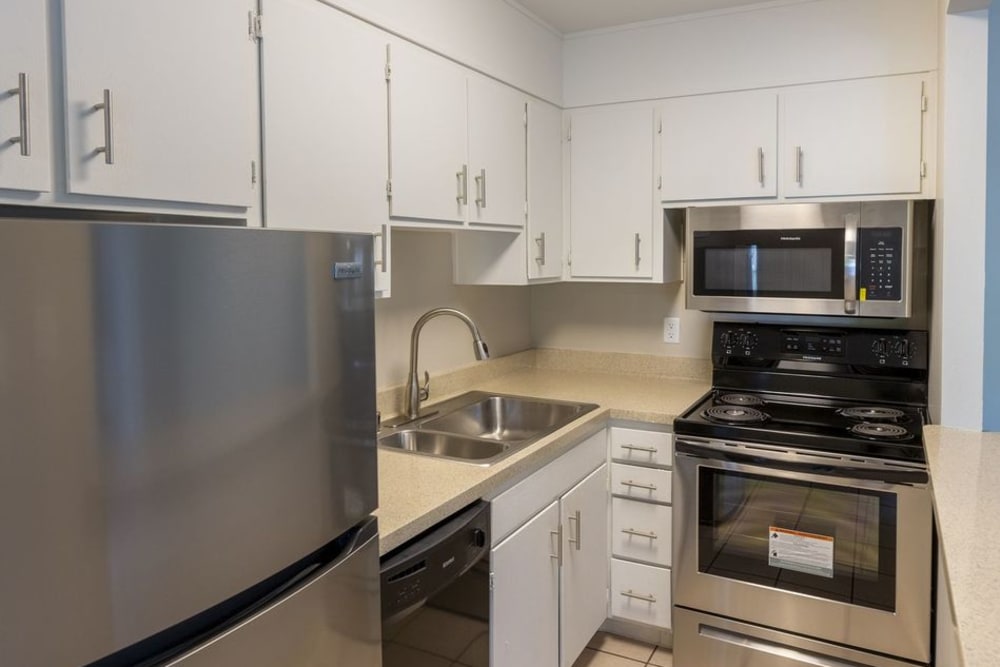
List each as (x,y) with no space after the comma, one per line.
(803,552)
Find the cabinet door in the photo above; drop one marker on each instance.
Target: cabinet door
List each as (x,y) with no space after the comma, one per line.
(545,202)
(853,138)
(584,586)
(496,153)
(524,601)
(431,177)
(25,153)
(611,192)
(719,147)
(179,121)
(326,137)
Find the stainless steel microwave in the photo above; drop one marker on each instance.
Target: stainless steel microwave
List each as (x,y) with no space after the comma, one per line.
(852,259)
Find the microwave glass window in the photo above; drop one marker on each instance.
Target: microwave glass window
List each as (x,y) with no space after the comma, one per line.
(827,541)
(755,269)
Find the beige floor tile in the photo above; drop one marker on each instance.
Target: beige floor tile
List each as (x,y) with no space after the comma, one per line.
(441,633)
(592,658)
(662,657)
(623,646)
(396,654)
(478,653)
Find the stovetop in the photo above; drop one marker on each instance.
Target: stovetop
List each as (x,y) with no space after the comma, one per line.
(851,392)
(884,431)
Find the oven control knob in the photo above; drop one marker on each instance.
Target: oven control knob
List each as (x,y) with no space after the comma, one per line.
(880,348)
(478,538)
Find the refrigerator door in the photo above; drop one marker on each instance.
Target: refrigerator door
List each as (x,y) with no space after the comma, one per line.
(331,620)
(184,412)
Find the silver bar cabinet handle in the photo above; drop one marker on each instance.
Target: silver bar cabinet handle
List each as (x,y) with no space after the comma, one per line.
(635,485)
(638,259)
(576,517)
(558,555)
(109,146)
(639,533)
(463,185)
(383,256)
(638,596)
(481,189)
(637,448)
(798,165)
(851,264)
(541,249)
(24,132)
(760,166)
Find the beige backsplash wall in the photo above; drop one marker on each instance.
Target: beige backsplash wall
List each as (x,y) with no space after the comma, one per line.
(421,280)
(609,317)
(597,317)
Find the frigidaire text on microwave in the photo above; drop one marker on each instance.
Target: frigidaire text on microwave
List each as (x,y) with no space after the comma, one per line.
(852,259)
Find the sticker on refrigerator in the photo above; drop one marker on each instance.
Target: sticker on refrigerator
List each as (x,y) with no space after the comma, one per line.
(803,552)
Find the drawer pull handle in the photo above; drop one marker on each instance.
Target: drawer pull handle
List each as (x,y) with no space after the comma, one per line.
(636,485)
(578,541)
(558,555)
(651,599)
(23,136)
(636,448)
(109,146)
(639,533)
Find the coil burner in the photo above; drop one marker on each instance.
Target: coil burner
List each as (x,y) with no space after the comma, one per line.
(880,431)
(873,414)
(745,400)
(732,414)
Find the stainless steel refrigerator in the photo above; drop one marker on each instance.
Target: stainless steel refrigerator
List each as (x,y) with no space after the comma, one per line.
(187,447)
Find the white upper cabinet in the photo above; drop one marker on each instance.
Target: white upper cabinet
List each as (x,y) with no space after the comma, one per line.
(611,192)
(719,146)
(497,120)
(854,138)
(457,143)
(160,100)
(326,138)
(545,191)
(25,153)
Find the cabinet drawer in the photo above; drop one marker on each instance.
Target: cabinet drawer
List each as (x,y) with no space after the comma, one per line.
(650,484)
(630,445)
(640,593)
(641,531)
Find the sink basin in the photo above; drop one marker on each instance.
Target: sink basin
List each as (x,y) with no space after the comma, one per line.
(479,427)
(507,418)
(444,445)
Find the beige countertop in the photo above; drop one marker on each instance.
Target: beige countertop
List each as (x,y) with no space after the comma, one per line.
(965,478)
(415,492)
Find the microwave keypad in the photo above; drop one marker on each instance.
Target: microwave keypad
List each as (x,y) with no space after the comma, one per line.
(880,271)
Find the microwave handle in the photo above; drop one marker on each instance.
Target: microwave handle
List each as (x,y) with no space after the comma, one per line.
(851,263)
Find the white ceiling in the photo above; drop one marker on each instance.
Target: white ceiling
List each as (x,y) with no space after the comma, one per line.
(574,15)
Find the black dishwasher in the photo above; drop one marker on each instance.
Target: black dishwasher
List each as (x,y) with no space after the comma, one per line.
(436,593)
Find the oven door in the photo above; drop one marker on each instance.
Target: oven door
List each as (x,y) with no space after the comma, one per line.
(793,542)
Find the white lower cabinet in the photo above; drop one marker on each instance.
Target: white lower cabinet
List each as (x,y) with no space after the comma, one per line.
(549,561)
(641,526)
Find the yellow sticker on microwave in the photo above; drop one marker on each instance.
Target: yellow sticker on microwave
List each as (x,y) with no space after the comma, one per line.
(863,294)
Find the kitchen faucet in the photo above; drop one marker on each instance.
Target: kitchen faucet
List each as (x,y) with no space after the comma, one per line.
(414,392)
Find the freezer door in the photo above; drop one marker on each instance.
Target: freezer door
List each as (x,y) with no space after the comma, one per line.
(331,620)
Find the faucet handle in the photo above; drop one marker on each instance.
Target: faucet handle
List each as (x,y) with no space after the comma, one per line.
(425,391)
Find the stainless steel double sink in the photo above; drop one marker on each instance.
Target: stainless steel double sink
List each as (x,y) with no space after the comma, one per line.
(480,427)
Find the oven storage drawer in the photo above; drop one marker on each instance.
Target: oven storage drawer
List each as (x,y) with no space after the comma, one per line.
(629,445)
(641,593)
(641,531)
(638,483)
(704,639)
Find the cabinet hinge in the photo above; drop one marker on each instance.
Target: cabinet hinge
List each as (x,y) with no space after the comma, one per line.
(569,259)
(923,169)
(923,103)
(659,126)
(525,209)
(256,29)
(388,188)
(659,182)
(253,172)
(491,581)
(526,115)
(388,62)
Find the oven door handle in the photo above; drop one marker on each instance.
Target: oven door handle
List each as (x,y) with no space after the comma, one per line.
(795,460)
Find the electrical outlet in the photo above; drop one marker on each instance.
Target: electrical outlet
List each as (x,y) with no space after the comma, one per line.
(671,329)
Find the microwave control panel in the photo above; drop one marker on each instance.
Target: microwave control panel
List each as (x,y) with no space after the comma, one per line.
(880,263)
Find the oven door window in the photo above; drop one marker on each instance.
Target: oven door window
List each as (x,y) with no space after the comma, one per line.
(800,263)
(826,541)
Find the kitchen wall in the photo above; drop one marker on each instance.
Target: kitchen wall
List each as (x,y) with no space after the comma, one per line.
(421,280)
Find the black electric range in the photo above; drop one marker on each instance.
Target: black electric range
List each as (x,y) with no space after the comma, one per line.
(851,392)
